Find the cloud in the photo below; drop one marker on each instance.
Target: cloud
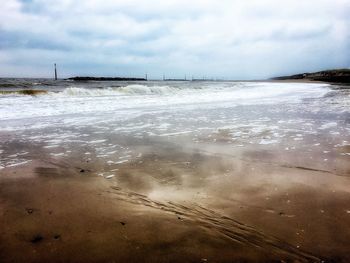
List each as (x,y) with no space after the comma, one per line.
(230,38)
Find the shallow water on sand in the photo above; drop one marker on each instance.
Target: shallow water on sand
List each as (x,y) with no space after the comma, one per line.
(298,118)
(264,165)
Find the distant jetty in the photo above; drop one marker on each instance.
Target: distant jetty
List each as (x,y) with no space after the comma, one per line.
(203,79)
(175,79)
(334,75)
(106,79)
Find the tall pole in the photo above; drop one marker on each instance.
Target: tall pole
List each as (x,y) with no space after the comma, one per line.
(55,72)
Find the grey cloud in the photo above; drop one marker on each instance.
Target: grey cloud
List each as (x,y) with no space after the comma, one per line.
(236,39)
(12,40)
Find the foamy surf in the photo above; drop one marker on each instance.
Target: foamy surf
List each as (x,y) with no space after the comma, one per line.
(236,90)
(117,91)
(75,100)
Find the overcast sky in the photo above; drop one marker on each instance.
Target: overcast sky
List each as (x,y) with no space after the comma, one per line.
(233,39)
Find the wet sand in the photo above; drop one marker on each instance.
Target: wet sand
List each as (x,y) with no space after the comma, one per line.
(176,203)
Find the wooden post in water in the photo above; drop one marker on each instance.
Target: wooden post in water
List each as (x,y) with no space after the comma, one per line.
(55,72)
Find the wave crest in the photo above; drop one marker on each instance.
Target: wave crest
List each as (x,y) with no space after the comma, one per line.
(130,89)
(142,89)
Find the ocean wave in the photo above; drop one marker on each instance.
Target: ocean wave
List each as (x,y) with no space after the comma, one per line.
(73,91)
(241,93)
(31,92)
(144,90)
(126,90)
(134,99)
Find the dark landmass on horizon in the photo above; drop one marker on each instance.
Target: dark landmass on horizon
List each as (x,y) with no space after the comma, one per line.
(106,79)
(334,75)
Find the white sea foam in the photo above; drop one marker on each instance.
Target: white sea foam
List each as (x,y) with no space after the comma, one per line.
(97,141)
(134,89)
(266,141)
(328,125)
(122,161)
(18,163)
(175,133)
(57,154)
(142,90)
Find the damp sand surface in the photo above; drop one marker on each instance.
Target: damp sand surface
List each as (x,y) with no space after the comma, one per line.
(173,204)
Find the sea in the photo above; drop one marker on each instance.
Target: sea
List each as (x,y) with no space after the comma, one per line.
(112,121)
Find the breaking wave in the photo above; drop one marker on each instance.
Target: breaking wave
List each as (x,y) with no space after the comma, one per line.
(32,92)
(248,91)
(142,89)
(241,93)
(130,89)
(138,97)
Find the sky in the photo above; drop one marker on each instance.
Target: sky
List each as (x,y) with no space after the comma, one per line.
(226,39)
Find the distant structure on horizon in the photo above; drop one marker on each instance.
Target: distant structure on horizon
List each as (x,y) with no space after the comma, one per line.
(173,79)
(55,72)
(190,79)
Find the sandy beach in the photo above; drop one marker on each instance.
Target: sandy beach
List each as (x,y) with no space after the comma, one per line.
(174,131)
(195,183)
